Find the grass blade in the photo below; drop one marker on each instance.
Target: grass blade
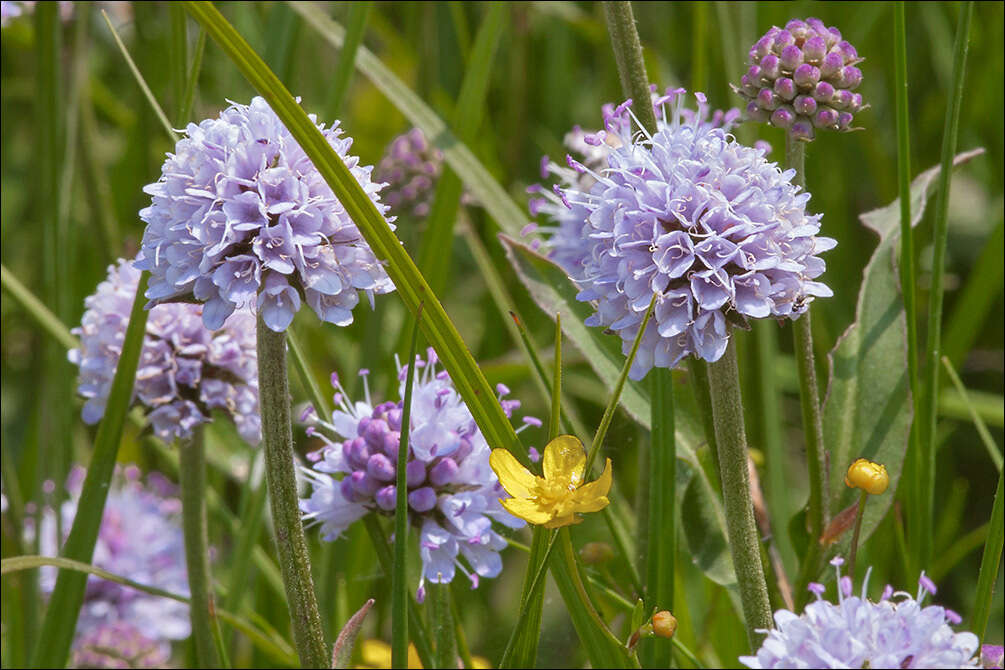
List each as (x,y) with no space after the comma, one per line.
(989,565)
(193,78)
(64,605)
(439,331)
(399,578)
(978,297)
(37,310)
(982,429)
(359,14)
(923,541)
(178,58)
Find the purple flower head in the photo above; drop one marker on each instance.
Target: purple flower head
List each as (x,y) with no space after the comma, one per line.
(992,656)
(241,219)
(718,233)
(801,77)
(896,632)
(453,494)
(140,538)
(184,372)
(410,167)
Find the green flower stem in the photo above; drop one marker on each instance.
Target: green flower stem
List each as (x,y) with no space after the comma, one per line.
(628,55)
(727,411)
(192,476)
(855,534)
(445,654)
(809,397)
(277,439)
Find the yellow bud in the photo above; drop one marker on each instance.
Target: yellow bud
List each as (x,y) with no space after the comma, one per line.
(664,624)
(868,476)
(594,553)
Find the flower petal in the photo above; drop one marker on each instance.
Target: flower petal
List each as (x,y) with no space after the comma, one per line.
(593,496)
(567,520)
(528,510)
(564,460)
(516,479)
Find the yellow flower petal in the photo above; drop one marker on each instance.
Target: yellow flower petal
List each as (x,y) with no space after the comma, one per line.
(564,460)
(595,493)
(528,510)
(516,479)
(567,520)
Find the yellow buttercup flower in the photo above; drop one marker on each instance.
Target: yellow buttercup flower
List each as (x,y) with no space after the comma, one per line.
(868,476)
(554,500)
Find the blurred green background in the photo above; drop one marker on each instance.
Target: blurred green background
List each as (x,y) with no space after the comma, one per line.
(553,69)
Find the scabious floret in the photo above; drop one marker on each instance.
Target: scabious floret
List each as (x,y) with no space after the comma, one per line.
(184,372)
(452,492)
(241,219)
(140,538)
(410,168)
(802,77)
(707,224)
(895,632)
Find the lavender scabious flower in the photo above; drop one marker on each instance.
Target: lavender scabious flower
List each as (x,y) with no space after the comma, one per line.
(992,656)
(184,371)
(896,632)
(453,494)
(566,238)
(705,223)
(802,77)
(410,167)
(140,538)
(242,219)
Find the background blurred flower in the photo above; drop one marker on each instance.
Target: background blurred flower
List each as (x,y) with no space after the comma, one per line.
(241,219)
(802,77)
(140,538)
(410,168)
(706,223)
(896,632)
(185,371)
(452,492)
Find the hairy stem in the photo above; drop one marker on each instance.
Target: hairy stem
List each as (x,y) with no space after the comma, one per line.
(277,439)
(727,412)
(628,55)
(192,476)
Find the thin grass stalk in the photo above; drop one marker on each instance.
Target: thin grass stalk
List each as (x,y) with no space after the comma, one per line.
(818,508)
(277,441)
(359,14)
(982,429)
(57,630)
(698,371)
(399,578)
(556,384)
(744,544)
(924,543)
(178,57)
(463,649)
(192,480)
(193,78)
(247,538)
(989,566)
(859,515)
(442,622)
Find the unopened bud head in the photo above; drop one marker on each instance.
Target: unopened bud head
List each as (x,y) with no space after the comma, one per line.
(868,476)
(664,624)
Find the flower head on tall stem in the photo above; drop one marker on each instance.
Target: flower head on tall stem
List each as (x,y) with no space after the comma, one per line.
(898,631)
(803,77)
(452,492)
(716,231)
(185,371)
(241,219)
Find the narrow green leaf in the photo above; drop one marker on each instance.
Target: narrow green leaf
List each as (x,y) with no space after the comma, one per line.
(35,309)
(521,649)
(437,242)
(989,565)
(64,606)
(982,429)
(342,651)
(556,384)
(477,179)
(281,40)
(975,301)
(399,578)
(411,286)
(867,412)
(271,644)
(359,14)
(178,58)
(193,79)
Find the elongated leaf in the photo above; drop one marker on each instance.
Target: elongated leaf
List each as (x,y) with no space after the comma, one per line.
(359,13)
(989,564)
(64,605)
(342,651)
(410,284)
(867,411)
(477,179)
(272,645)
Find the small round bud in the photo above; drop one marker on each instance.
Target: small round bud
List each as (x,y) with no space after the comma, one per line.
(783,39)
(832,64)
(596,553)
(415,473)
(364,484)
(856,102)
(664,624)
(767,100)
(791,57)
(814,49)
(785,88)
(835,36)
(825,118)
(356,452)
(848,51)
(844,120)
(817,26)
(755,113)
(869,476)
(783,117)
(802,131)
(443,472)
(850,77)
(770,67)
(763,46)
(823,92)
(422,500)
(386,498)
(747,85)
(798,29)
(805,105)
(806,76)
(380,468)
(841,99)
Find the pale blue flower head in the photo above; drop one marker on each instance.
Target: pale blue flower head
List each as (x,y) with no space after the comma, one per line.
(689,214)
(140,538)
(411,167)
(185,371)
(241,219)
(453,494)
(898,631)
